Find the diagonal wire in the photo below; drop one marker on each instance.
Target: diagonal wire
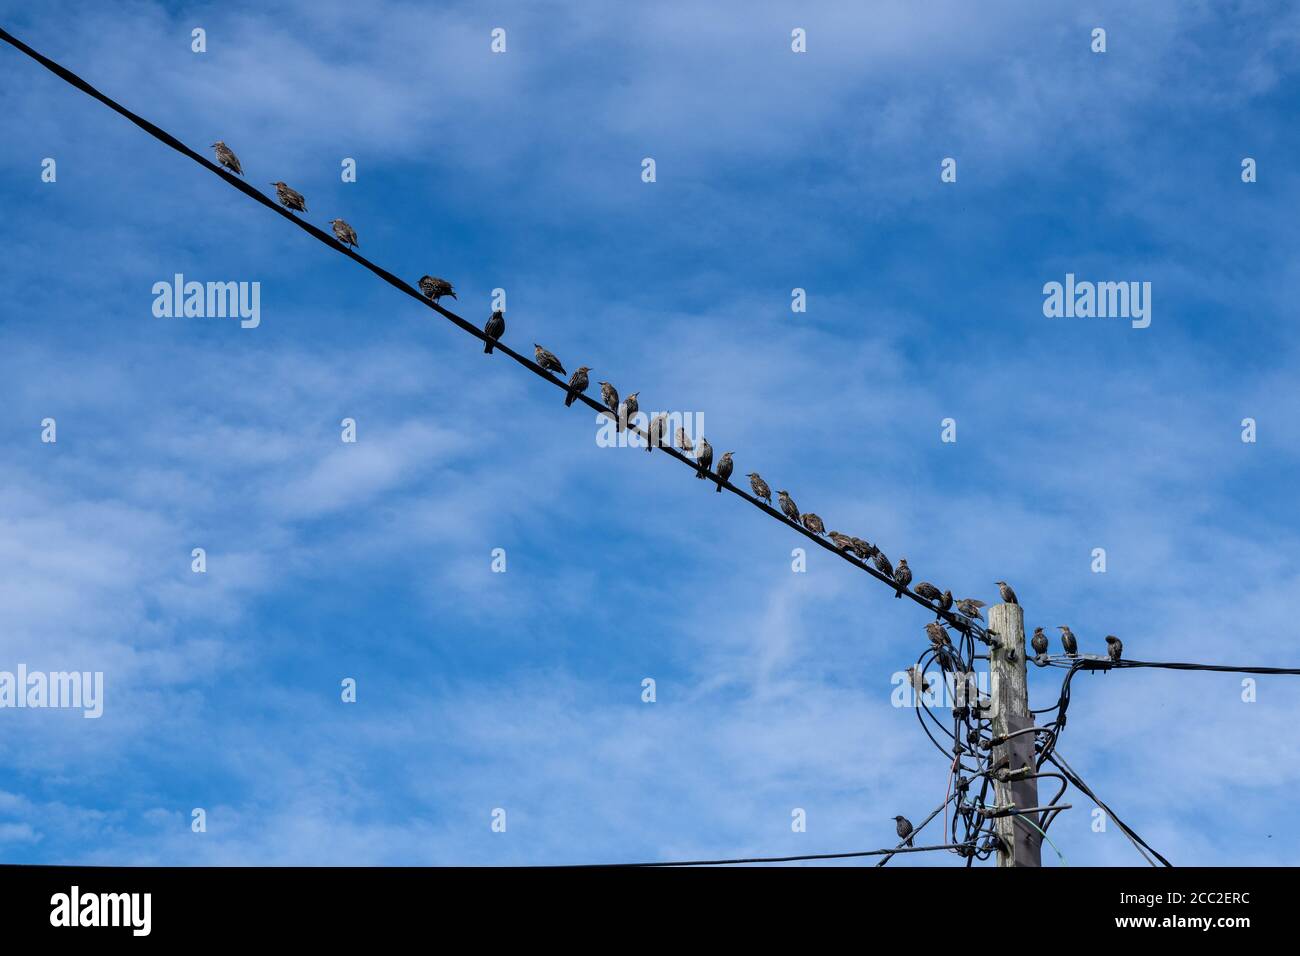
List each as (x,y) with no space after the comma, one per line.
(168,139)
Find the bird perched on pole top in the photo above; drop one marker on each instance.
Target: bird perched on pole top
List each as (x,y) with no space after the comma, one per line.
(703,458)
(761,490)
(903,575)
(435,288)
(928,591)
(609,395)
(969,607)
(494,329)
(627,410)
(725,466)
(1114,647)
(813,522)
(903,827)
(547,360)
(788,507)
(658,432)
(1039,642)
(289,198)
(1008,595)
(226,158)
(577,385)
(344,233)
(1067,641)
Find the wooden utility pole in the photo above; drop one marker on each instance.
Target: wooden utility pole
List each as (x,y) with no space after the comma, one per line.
(1009,690)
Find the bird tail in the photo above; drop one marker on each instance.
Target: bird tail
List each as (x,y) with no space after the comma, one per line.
(487,350)
(899,593)
(568,399)
(700,474)
(453,295)
(909,842)
(719,489)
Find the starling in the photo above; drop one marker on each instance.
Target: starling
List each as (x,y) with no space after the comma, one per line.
(1114,647)
(658,432)
(684,443)
(903,827)
(945,602)
(813,523)
(903,575)
(703,457)
(787,506)
(761,490)
(609,395)
(928,591)
(938,636)
(882,563)
(577,384)
(917,679)
(435,288)
(546,360)
(1008,595)
(495,328)
(628,410)
(725,464)
(1039,642)
(226,158)
(842,541)
(863,549)
(1068,642)
(344,233)
(969,607)
(289,198)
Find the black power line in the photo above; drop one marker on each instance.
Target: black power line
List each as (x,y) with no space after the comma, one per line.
(168,139)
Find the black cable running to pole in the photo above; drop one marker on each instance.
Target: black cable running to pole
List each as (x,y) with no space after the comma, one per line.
(168,139)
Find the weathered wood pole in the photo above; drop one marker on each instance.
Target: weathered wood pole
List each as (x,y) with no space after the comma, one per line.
(1009,691)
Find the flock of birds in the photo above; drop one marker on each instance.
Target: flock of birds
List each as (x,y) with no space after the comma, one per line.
(435,288)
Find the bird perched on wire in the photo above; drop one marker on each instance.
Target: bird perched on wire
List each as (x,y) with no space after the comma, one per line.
(938,636)
(609,395)
(842,541)
(578,383)
(903,575)
(344,233)
(969,607)
(683,443)
(547,360)
(1008,595)
(881,562)
(226,158)
(628,409)
(903,827)
(928,591)
(813,522)
(788,507)
(658,432)
(703,458)
(494,329)
(1114,647)
(1068,641)
(760,488)
(1039,642)
(725,466)
(289,198)
(863,548)
(435,288)
(916,679)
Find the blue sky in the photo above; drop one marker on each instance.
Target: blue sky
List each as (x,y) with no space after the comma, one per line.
(521,171)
